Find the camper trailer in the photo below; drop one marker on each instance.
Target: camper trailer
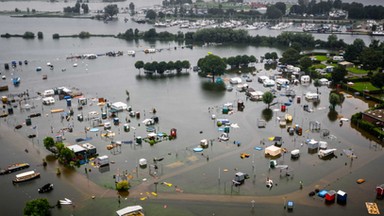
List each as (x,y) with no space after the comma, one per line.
(48,100)
(102,160)
(119,106)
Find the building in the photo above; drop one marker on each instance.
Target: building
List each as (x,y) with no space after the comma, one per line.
(346,64)
(374,116)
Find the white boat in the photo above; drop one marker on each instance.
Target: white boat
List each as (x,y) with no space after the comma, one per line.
(326,152)
(66,201)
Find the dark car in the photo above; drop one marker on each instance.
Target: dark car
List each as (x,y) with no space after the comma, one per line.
(46,188)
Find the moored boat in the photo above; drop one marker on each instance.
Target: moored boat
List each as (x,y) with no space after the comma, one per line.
(26,176)
(14,167)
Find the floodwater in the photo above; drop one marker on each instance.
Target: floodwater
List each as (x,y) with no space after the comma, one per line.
(182,103)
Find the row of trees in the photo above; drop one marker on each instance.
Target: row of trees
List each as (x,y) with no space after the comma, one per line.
(162,67)
(299,41)
(26,35)
(370,57)
(77,8)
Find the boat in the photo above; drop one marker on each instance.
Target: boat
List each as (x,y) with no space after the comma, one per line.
(26,176)
(66,201)
(46,188)
(327,152)
(4,88)
(14,167)
(130,211)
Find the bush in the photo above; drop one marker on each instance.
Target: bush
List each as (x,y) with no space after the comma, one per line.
(29,35)
(122,185)
(84,34)
(55,36)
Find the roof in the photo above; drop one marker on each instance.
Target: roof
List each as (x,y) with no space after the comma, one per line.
(129,209)
(76,148)
(119,104)
(88,146)
(377,114)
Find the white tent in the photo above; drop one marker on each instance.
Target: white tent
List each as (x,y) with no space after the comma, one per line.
(272,150)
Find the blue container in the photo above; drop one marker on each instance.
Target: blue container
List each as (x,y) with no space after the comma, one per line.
(322,193)
(341,197)
(69,102)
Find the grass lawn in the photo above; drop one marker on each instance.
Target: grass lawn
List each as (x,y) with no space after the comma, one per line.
(321,57)
(356,70)
(360,86)
(318,66)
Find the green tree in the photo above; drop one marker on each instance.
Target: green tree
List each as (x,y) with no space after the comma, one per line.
(317,84)
(123,185)
(371,58)
(29,35)
(151,33)
(267,98)
(66,156)
(132,8)
(213,65)
(231,61)
(151,14)
(111,10)
(178,66)
(338,74)
(85,8)
(186,64)
(49,142)
(84,34)
(161,67)
(170,65)
(273,12)
(253,59)
(282,7)
(139,65)
(37,207)
(305,63)
(290,56)
(56,36)
(149,67)
(353,51)
(334,100)
(378,80)
(40,35)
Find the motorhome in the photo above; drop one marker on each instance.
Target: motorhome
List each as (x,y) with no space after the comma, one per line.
(48,100)
(49,92)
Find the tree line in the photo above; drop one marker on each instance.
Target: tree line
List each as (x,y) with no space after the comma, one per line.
(162,67)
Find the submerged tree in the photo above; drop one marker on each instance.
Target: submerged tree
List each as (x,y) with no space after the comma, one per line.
(111,10)
(48,142)
(267,98)
(212,65)
(39,207)
(334,100)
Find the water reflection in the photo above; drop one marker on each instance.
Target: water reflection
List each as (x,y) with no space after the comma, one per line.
(332,115)
(267,114)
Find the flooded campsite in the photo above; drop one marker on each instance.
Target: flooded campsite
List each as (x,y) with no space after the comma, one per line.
(184,148)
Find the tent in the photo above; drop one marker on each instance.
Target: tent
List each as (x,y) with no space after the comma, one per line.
(272,150)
